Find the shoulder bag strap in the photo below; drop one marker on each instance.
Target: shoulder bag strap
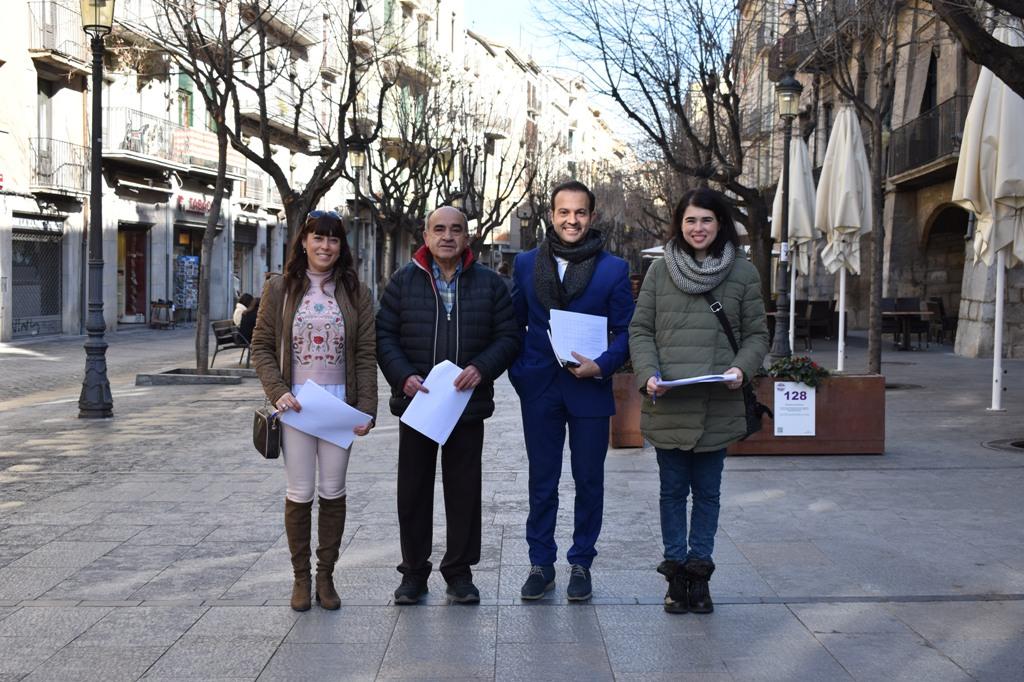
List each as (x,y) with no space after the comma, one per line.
(716,308)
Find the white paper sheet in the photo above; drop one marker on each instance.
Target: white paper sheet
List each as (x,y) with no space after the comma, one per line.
(585,334)
(703,379)
(435,414)
(325,416)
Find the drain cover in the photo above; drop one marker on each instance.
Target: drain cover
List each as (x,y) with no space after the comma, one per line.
(1007,445)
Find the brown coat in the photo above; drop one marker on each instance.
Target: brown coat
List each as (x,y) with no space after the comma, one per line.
(272,339)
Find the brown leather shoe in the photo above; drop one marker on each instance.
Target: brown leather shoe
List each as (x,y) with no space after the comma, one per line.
(330,528)
(297,526)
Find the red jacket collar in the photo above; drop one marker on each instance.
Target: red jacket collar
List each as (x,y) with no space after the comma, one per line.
(423,259)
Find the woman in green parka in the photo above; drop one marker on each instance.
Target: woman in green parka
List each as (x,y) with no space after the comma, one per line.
(674,335)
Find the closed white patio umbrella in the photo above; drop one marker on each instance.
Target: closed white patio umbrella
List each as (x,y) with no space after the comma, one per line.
(842,209)
(801,220)
(990,183)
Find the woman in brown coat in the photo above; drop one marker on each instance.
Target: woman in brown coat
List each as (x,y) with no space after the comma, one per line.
(316,323)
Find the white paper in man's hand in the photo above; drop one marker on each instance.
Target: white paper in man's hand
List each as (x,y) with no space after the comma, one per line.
(435,414)
(584,334)
(325,415)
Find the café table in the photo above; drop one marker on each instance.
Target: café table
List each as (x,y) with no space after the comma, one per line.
(905,317)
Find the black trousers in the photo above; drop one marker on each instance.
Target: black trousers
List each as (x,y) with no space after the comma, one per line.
(460,476)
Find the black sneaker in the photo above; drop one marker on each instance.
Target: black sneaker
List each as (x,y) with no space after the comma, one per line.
(411,590)
(540,580)
(461,590)
(580,588)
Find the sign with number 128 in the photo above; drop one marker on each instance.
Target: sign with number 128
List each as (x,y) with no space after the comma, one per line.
(794,409)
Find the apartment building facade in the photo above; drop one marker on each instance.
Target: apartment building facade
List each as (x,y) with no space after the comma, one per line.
(160,152)
(928,252)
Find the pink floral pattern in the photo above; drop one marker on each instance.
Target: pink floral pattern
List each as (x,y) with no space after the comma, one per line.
(318,333)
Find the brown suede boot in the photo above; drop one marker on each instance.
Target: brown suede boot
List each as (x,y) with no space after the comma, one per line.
(297,526)
(330,528)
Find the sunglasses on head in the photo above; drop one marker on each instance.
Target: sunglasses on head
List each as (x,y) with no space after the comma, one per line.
(321,214)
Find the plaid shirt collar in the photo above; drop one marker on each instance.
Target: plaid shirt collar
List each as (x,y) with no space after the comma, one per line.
(444,288)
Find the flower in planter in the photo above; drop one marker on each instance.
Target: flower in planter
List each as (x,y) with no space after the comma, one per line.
(798,368)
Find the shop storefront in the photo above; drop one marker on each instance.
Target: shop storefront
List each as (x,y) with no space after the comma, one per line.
(244,263)
(189,229)
(37,244)
(132,269)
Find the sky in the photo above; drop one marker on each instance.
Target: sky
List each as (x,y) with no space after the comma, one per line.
(514,22)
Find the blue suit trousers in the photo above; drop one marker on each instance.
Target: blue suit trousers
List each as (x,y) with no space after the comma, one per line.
(544,421)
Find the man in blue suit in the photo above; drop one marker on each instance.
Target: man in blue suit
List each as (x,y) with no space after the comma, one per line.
(568,271)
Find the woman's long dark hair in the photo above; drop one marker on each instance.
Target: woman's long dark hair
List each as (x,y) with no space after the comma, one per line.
(326,224)
(708,199)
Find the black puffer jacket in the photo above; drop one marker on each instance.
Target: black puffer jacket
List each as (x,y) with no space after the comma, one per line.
(415,332)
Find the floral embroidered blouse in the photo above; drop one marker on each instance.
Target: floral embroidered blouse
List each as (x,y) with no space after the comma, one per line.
(318,335)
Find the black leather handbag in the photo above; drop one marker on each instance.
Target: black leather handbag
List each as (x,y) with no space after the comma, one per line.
(266,422)
(266,432)
(755,410)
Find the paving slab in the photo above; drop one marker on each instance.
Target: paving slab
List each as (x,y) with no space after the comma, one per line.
(117,540)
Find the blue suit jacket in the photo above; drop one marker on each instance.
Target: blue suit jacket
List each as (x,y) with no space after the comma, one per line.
(608,294)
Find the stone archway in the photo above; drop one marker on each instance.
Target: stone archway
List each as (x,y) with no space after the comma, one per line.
(944,252)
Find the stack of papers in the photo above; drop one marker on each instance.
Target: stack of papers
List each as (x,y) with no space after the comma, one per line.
(435,414)
(584,334)
(325,415)
(704,379)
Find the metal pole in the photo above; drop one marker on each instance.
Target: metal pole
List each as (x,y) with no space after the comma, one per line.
(780,345)
(841,360)
(997,342)
(792,305)
(95,401)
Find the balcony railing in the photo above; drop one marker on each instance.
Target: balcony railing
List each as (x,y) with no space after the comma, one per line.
(136,132)
(297,22)
(59,166)
(497,127)
(152,140)
(58,29)
(933,135)
(253,187)
(198,149)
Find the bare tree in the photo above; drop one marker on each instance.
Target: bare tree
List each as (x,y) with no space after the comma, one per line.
(416,148)
(971,21)
(669,65)
(251,62)
(267,66)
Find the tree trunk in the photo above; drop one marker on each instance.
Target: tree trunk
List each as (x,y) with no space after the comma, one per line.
(389,249)
(877,252)
(203,316)
(760,244)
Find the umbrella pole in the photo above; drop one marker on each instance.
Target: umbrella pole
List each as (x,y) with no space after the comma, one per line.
(997,343)
(841,360)
(792,302)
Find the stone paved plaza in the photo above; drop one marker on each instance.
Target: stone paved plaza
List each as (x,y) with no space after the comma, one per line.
(152,545)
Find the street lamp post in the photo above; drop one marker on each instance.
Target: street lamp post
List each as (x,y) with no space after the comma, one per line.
(95,401)
(357,158)
(787,93)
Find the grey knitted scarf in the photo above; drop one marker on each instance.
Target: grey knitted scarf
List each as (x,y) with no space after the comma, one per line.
(698,278)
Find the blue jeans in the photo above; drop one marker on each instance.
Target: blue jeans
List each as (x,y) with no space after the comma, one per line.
(683,471)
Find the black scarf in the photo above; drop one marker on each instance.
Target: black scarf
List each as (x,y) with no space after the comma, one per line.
(582,256)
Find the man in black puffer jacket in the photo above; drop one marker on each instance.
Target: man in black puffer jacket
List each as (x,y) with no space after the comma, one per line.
(443,306)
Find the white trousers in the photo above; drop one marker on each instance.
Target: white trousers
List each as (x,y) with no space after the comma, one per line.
(304,455)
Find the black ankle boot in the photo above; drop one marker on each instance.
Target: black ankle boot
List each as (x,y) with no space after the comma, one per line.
(675,598)
(697,574)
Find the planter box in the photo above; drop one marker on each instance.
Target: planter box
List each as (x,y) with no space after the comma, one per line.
(849,420)
(625,423)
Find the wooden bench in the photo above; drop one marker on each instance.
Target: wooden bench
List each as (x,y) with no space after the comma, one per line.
(228,337)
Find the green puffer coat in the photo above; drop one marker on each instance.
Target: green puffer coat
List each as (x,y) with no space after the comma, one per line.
(677,334)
